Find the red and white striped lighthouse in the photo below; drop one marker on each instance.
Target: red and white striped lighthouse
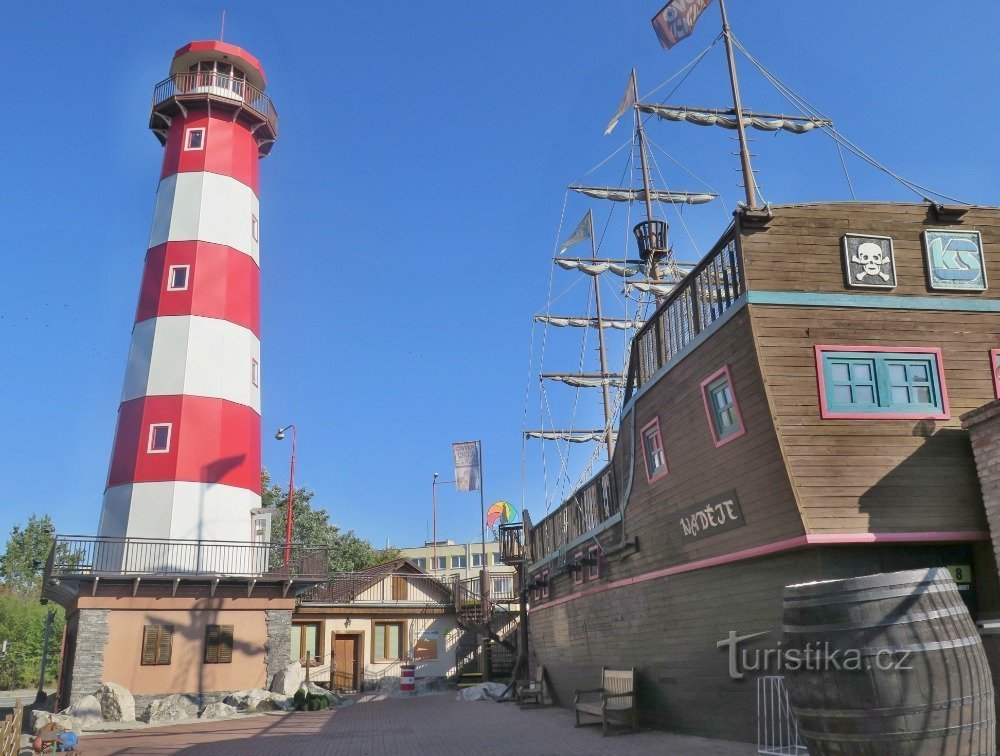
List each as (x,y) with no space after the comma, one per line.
(186,458)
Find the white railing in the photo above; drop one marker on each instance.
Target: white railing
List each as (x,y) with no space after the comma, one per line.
(777,732)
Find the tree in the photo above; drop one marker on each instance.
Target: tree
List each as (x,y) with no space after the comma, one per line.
(24,557)
(312,527)
(22,627)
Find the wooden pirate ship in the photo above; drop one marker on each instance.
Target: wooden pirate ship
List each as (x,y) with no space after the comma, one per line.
(790,411)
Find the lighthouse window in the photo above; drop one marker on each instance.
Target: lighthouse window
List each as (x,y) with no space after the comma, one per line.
(159,438)
(253,227)
(653,457)
(896,383)
(177,277)
(720,405)
(254,372)
(194,139)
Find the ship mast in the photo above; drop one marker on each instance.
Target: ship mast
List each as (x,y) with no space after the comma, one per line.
(600,332)
(749,183)
(654,272)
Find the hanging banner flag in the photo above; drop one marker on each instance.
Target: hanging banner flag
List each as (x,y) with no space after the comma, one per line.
(468,469)
(584,231)
(623,107)
(676,20)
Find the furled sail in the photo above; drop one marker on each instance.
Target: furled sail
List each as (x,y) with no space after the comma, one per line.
(727,119)
(659,288)
(561,322)
(598,267)
(574,437)
(583,380)
(655,195)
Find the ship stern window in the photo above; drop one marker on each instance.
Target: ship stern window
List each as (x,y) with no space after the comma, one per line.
(724,418)
(893,382)
(653,457)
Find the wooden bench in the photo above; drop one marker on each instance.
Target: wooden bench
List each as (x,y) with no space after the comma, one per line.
(617,693)
(533,692)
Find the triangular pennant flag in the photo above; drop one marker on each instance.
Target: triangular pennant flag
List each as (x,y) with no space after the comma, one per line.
(628,100)
(583,232)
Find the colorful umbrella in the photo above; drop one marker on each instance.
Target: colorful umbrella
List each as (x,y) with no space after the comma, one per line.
(501,511)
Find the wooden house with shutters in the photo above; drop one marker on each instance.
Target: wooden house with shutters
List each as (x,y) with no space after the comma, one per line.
(360,627)
(792,413)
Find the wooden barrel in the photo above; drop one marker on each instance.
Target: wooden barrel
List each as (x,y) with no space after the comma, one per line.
(887,664)
(406,680)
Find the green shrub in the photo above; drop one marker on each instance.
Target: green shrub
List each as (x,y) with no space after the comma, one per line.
(300,695)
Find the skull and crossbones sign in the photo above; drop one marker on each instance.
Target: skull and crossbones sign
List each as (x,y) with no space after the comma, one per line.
(871,258)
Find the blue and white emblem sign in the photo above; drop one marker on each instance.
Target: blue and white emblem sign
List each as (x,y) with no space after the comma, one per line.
(954,260)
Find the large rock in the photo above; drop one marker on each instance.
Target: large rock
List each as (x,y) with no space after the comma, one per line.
(41,718)
(289,680)
(256,700)
(478,692)
(87,712)
(169,709)
(117,702)
(315,690)
(217,711)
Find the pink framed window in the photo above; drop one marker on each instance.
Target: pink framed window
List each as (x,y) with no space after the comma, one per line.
(578,574)
(593,571)
(178,277)
(888,383)
(722,407)
(995,370)
(159,438)
(194,139)
(544,591)
(653,457)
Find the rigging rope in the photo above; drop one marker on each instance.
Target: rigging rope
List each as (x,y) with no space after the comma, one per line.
(810,110)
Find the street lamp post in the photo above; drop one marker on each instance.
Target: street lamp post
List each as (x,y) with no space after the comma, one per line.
(434,484)
(280,435)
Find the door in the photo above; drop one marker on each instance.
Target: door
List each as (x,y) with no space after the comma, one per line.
(344,669)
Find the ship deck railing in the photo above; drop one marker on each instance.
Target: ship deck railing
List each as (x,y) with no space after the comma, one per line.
(702,297)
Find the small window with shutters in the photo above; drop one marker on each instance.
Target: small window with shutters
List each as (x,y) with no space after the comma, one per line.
(157,642)
(219,644)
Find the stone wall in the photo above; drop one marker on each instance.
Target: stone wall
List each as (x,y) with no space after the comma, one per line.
(279,641)
(88,666)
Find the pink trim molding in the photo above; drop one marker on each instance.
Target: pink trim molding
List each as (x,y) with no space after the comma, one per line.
(724,370)
(995,371)
(827,414)
(645,452)
(817,539)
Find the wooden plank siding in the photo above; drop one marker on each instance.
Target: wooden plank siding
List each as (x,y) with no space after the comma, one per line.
(750,464)
(800,248)
(873,475)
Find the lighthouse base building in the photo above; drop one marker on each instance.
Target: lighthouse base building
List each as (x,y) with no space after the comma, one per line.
(182,590)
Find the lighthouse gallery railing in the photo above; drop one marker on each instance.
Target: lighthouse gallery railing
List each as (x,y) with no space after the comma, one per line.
(220,86)
(97,555)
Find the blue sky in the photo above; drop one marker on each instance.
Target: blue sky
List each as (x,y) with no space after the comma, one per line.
(410,209)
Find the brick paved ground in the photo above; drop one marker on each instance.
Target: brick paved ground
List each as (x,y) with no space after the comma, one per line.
(435,724)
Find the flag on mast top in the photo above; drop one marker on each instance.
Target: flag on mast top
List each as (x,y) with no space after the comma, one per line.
(584,231)
(676,20)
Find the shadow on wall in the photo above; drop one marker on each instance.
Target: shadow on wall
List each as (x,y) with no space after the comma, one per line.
(934,488)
